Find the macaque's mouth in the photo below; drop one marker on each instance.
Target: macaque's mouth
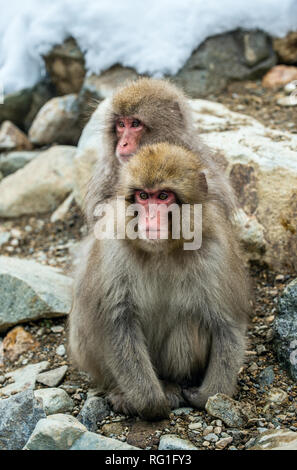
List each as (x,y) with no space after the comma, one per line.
(127,157)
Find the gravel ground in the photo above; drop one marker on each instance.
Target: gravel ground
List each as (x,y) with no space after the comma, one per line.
(37,238)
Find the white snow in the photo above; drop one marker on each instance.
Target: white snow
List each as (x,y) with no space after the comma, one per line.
(154,36)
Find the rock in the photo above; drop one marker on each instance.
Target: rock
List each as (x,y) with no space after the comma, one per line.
(95,409)
(173,442)
(98,87)
(16,106)
(233,413)
(4,238)
(251,232)
(41,93)
(54,400)
(56,432)
(53,377)
(278,439)
(92,441)
(182,411)
(286,48)
(13,161)
(30,291)
(277,396)
(40,186)
(224,442)
(63,209)
(65,66)
(12,138)
(19,416)
(23,378)
(266,376)
(18,341)
(211,437)
(237,55)
(285,329)
(61,351)
(279,76)
(262,166)
(287,100)
(56,122)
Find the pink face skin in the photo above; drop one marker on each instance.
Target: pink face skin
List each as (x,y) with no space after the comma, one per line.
(129,131)
(154,219)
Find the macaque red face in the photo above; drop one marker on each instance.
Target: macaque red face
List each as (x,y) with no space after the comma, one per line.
(153,220)
(129,131)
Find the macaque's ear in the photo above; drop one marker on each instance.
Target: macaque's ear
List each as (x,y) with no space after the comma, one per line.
(202,183)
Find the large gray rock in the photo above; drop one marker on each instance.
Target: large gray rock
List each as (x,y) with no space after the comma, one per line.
(56,432)
(92,441)
(57,122)
(54,400)
(285,329)
(13,161)
(53,377)
(41,185)
(30,291)
(238,55)
(19,416)
(23,378)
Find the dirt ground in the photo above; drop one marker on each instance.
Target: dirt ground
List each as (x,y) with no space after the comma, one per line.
(53,244)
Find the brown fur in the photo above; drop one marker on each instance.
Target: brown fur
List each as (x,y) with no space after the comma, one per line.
(160,328)
(167,116)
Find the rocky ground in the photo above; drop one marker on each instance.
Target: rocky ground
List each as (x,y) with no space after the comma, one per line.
(265,391)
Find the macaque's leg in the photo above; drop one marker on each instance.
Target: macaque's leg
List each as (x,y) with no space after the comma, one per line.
(131,367)
(226,357)
(173,394)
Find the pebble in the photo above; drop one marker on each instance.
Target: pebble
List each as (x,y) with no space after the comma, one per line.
(222,443)
(61,351)
(195,426)
(211,437)
(207,430)
(173,442)
(57,329)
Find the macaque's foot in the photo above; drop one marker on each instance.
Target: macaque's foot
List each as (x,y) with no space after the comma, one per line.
(119,404)
(173,393)
(196,397)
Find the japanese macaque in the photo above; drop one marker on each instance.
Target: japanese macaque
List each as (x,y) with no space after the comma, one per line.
(146,111)
(155,323)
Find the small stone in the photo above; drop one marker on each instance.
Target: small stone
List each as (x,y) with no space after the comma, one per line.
(57,329)
(287,101)
(266,376)
(217,430)
(207,430)
(54,400)
(182,411)
(261,349)
(279,76)
(61,351)
(231,412)
(4,238)
(173,442)
(17,342)
(211,437)
(194,426)
(53,377)
(23,378)
(277,396)
(253,367)
(222,443)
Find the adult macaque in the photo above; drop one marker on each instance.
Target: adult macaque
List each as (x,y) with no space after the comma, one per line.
(156,324)
(144,112)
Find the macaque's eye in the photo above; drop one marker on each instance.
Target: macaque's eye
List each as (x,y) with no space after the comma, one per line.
(163,196)
(121,124)
(135,123)
(143,195)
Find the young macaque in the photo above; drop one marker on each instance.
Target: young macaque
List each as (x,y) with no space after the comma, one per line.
(145,112)
(160,322)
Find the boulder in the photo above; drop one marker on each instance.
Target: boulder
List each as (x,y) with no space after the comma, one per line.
(285,329)
(277,439)
(65,66)
(237,55)
(41,185)
(19,416)
(54,400)
(30,291)
(56,122)
(12,138)
(93,441)
(279,76)
(13,161)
